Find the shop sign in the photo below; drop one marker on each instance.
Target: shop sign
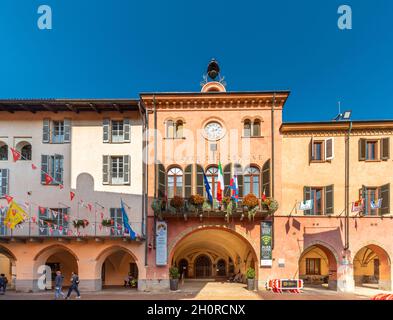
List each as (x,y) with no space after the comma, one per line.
(266,244)
(161,243)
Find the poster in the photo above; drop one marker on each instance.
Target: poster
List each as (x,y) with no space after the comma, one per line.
(266,244)
(161,243)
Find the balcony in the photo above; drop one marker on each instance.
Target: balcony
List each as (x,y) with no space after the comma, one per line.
(183,208)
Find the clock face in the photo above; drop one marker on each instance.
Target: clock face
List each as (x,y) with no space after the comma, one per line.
(214,131)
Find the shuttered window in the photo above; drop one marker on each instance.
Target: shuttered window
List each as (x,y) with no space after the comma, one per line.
(385,149)
(266,178)
(199,179)
(238,171)
(227,179)
(374,149)
(329,149)
(116,131)
(329,199)
(127,130)
(53,165)
(105,170)
(385,195)
(307,196)
(56,131)
(161,180)
(362,149)
(322,200)
(188,181)
(106,130)
(116,170)
(4,180)
(46,131)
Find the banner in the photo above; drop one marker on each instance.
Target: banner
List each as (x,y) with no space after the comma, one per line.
(15,215)
(266,244)
(161,243)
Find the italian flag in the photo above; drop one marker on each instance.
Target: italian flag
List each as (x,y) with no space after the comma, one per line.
(220,183)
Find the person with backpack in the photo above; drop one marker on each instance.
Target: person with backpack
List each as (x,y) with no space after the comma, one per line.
(58,285)
(74,286)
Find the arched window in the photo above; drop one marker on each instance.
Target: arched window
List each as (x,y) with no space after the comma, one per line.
(212,177)
(247,128)
(179,129)
(251,181)
(3,151)
(256,128)
(25,150)
(169,129)
(175,182)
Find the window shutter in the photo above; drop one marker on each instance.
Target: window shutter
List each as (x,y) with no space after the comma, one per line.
(105,170)
(266,178)
(362,149)
(385,195)
(4,182)
(46,131)
(67,130)
(106,129)
(329,149)
(126,168)
(127,130)
(311,149)
(188,181)
(385,149)
(58,170)
(307,196)
(329,199)
(227,179)
(161,181)
(200,183)
(239,173)
(44,167)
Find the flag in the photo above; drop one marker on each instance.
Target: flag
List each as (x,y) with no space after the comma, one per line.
(8,198)
(15,215)
(357,206)
(376,204)
(48,179)
(263,195)
(220,183)
(15,154)
(33,166)
(72,195)
(125,222)
(207,188)
(61,186)
(235,189)
(306,205)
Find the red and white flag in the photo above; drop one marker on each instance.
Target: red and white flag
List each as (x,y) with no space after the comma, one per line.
(33,166)
(15,154)
(72,195)
(48,179)
(8,198)
(220,183)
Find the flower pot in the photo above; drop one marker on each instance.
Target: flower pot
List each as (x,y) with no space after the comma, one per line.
(174,284)
(251,284)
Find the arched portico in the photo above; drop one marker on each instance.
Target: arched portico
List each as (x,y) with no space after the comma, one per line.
(7,265)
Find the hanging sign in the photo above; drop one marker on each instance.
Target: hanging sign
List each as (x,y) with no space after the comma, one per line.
(161,243)
(266,244)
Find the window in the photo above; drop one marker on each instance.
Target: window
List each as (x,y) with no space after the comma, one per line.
(313,266)
(53,165)
(117,217)
(174,130)
(116,131)
(252,129)
(374,194)
(3,151)
(251,181)
(169,129)
(321,198)
(3,226)
(116,170)
(175,182)
(321,150)
(212,177)
(58,220)
(26,152)
(374,149)
(4,178)
(179,129)
(58,131)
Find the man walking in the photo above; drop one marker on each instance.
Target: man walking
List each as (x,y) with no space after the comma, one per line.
(58,285)
(74,286)
(3,283)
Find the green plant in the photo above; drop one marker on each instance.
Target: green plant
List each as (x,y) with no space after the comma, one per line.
(80,223)
(156,205)
(206,206)
(177,203)
(134,283)
(197,200)
(250,274)
(270,204)
(250,201)
(174,273)
(107,222)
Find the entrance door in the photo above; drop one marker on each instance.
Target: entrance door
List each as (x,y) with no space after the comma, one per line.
(221,268)
(203,267)
(183,268)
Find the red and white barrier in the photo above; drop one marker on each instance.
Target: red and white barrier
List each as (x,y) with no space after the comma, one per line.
(285,285)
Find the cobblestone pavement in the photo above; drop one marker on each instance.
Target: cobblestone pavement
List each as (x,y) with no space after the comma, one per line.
(203,291)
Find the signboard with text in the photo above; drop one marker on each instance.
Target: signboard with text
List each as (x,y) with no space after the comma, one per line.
(161,243)
(266,244)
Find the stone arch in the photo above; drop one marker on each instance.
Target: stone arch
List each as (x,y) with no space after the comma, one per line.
(85,181)
(7,252)
(49,250)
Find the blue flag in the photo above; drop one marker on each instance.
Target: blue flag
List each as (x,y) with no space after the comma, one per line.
(207,188)
(125,222)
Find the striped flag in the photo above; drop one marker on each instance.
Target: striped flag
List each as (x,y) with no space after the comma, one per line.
(220,183)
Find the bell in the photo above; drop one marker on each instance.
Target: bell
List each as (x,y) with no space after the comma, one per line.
(213,69)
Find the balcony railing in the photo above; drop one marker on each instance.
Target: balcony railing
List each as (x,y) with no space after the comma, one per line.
(188,210)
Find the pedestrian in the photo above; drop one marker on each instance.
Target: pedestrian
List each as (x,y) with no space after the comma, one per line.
(3,283)
(58,285)
(74,286)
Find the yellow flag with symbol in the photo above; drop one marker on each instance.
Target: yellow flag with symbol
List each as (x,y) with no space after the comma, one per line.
(14,216)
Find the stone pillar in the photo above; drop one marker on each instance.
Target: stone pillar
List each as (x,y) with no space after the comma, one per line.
(345,280)
(26,280)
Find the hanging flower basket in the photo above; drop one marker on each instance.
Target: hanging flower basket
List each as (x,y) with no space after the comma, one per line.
(177,203)
(251,203)
(107,222)
(271,205)
(80,223)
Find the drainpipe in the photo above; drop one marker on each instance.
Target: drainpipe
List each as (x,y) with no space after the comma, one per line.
(272,167)
(346,247)
(155,164)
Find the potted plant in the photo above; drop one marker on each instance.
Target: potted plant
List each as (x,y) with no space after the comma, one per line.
(225,202)
(177,203)
(196,202)
(107,222)
(270,204)
(174,276)
(80,223)
(250,202)
(250,274)
(134,283)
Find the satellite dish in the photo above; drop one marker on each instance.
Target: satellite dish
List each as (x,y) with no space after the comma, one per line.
(213,69)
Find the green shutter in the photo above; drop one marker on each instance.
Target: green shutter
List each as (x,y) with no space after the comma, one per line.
(105,170)
(188,181)
(4,182)
(106,130)
(44,167)
(46,131)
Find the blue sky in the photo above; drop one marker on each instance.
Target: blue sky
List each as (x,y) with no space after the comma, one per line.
(119,48)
